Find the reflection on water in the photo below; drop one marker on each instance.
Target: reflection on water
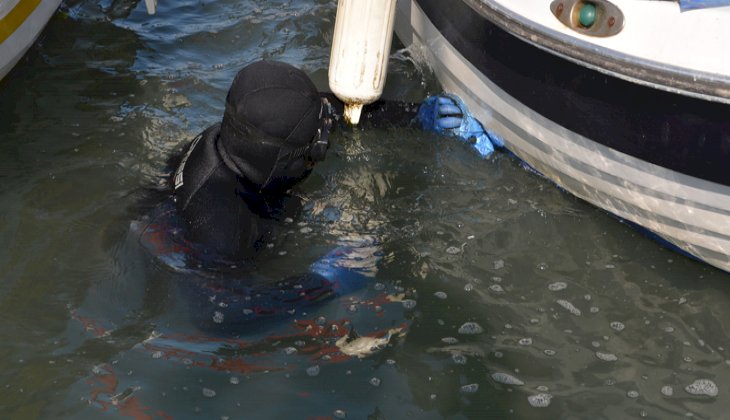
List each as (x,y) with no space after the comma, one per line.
(496,295)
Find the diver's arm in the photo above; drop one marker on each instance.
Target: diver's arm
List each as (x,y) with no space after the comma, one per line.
(227,303)
(381,113)
(445,114)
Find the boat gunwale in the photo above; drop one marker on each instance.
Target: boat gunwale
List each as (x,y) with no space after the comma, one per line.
(673,79)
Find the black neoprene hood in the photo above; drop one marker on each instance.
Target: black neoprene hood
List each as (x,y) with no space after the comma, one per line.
(271,108)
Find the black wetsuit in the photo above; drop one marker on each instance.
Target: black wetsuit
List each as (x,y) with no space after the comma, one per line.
(226,215)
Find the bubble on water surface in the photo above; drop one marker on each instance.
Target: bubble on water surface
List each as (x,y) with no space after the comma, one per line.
(470,388)
(339,414)
(557,286)
(633,394)
(527,341)
(306,229)
(290,350)
(450,340)
(506,379)
(156,355)
(468,287)
(569,306)
(606,357)
(459,359)
(313,370)
(540,400)
(375,381)
(667,391)
(702,387)
(218,317)
(470,328)
(496,288)
(441,295)
(617,325)
(379,286)
(499,264)
(409,303)
(453,250)
(209,393)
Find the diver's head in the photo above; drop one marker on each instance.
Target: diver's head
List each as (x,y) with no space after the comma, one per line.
(275,125)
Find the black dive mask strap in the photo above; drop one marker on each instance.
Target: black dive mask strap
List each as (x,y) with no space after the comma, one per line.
(314,151)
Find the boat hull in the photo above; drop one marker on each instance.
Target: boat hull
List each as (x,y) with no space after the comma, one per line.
(651,157)
(20,25)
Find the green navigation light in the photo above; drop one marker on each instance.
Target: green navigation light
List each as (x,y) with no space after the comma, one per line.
(587,16)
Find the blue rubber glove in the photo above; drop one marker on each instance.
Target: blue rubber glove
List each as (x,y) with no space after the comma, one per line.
(685,5)
(447,114)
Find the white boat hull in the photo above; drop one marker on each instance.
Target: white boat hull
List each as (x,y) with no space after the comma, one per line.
(691,213)
(20,24)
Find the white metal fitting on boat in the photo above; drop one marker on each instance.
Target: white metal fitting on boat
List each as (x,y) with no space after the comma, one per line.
(360,50)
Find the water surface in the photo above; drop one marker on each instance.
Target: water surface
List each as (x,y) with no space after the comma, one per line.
(497,294)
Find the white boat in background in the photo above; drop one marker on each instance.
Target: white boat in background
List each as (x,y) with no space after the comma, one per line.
(625,104)
(21,21)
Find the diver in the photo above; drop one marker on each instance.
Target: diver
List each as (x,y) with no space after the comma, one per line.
(232,186)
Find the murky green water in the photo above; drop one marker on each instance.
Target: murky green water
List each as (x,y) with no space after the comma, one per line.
(523,296)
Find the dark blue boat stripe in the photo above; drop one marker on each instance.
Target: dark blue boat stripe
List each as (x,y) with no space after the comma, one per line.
(686,135)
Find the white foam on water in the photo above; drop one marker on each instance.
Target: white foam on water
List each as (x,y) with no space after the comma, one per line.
(470,328)
(527,341)
(506,379)
(540,400)
(459,359)
(453,250)
(557,286)
(313,370)
(470,388)
(606,357)
(617,325)
(569,306)
(702,387)
(408,303)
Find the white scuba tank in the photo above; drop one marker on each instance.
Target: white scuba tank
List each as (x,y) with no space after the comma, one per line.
(360,50)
